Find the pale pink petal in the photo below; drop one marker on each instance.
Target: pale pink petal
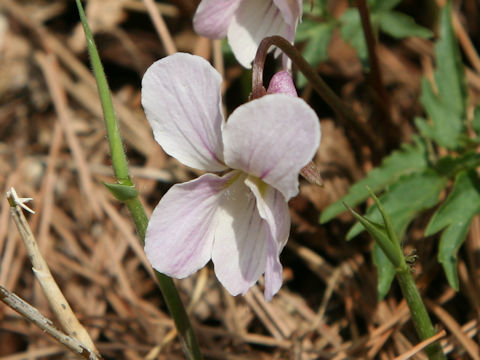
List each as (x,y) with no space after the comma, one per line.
(253,21)
(273,271)
(273,138)
(282,83)
(239,251)
(273,208)
(291,11)
(181,98)
(180,233)
(213,17)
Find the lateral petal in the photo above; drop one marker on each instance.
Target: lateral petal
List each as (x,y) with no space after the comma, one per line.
(213,17)
(239,251)
(272,138)
(253,21)
(182,101)
(180,233)
(273,208)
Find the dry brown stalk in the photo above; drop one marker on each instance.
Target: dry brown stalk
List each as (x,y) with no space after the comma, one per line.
(33,315)
(52,292)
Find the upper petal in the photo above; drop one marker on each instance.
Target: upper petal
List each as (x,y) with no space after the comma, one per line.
(180,233)
(239,251)
(253,21)
(182,101)
(291,11)
(213,17)
(273,138)
(273,208)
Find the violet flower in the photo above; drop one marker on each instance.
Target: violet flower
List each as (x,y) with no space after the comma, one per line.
(238,218)
(247,22)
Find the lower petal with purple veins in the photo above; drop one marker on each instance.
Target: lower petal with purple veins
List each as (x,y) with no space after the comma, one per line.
(181,230)
(240,246)
(273,208)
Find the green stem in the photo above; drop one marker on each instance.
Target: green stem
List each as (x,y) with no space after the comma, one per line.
(119,159)
(388,241)
(419,313)
(167,287)
(137,211)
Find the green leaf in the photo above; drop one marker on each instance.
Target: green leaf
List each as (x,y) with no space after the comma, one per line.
(409,159)
(379,234)
(447,124)
(352,32)
(377,5)
(447,108)
(319,8)
(399,25)
(386,254)
(316,49)
(450,166)
(402,201)
(385,271)
(455,215)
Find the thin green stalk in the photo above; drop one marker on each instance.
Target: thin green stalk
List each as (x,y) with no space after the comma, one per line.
(119,159)
(419,313)
(386,238)
(420,317)
(169,291)
(129,196)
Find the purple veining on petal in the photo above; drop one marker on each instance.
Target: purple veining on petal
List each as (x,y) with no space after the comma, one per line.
(198,130)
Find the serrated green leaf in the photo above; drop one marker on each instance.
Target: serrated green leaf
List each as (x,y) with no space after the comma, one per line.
(455,215)
(316,49)
(385,271)
(399,25)
(403,200)
(447,109)
(450,74)
(409,159)
(447,125)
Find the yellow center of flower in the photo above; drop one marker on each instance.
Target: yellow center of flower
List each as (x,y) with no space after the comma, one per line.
(261,185)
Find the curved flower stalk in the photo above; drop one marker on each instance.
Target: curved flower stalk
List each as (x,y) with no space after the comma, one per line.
(239,219)
(247,22)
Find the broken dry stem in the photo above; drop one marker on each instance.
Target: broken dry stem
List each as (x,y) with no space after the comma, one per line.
(32,314)
(57,301)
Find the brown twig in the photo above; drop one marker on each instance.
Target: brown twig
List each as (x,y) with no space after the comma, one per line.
(54,295)
(49,66)
(160,27)
(33,315)
(381,99)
